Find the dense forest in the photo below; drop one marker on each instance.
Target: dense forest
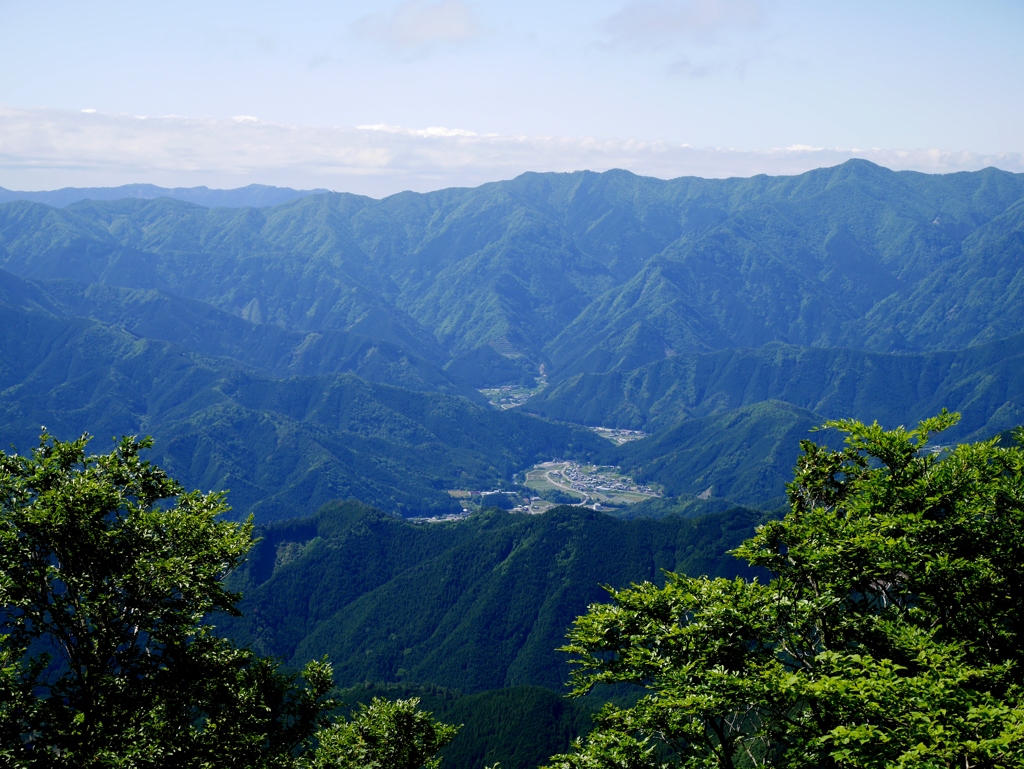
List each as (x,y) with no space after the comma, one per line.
(469,605)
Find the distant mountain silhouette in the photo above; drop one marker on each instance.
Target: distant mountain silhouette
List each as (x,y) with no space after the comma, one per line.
(252,195)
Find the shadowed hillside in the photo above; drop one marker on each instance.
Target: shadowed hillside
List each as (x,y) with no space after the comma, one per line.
(472,605)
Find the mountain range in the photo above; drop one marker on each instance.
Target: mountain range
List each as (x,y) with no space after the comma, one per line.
(320,357)
(282,446)
(691,308)
(583,272)
(252,195)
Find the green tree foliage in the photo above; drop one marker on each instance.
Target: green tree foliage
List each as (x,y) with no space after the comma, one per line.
(888,636)
(109,569)
(517,727)
(383,735)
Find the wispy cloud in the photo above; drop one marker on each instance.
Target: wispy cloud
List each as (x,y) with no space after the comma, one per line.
(46,149)
(419,26)
(685,67)
(695,70)
(653,23)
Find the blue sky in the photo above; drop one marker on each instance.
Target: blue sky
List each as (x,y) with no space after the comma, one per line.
(420,94)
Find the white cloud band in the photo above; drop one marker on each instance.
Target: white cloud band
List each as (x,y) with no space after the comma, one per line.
(44,149)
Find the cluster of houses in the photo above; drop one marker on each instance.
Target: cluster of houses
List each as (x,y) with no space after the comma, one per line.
(598,481)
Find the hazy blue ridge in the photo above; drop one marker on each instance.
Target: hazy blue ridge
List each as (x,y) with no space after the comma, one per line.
(255,195)
(283,267)
(202,328)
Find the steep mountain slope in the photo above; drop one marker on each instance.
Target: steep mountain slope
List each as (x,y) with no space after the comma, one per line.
(293,266)
(983,382)
(283,447)
(745,455)
(832,257)
(493,266)
(473,605)
(582,272)
(971,299)
(202,328)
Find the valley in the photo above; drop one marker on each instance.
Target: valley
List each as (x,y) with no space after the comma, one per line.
(598,487)
(617,436)
(512,396)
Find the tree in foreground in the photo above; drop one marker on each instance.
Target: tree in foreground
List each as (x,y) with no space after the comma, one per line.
(889,634)
(108,569)
(383,735)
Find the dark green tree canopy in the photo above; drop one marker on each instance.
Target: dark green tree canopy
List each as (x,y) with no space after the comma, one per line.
(889,634)
(109,571)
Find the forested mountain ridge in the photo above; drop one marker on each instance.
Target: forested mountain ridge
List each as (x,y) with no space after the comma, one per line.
(474,605)
(281,446)
(300,275)
(585,272)
(830,258)
(250,195)
(983,382)
(202,328)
